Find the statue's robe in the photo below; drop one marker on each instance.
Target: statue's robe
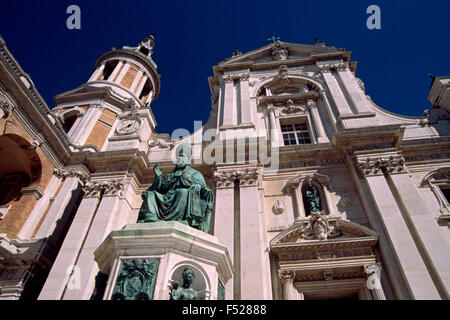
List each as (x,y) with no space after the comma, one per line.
(172,198)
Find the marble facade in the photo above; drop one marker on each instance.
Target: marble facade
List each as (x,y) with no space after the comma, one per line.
(281,116)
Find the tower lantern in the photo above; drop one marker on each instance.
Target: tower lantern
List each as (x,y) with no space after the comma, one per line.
(130,70)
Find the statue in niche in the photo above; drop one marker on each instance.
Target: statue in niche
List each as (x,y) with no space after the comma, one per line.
(184,291)
(312,198)
(182,195)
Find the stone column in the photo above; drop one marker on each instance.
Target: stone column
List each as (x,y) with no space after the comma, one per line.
(36,214)
(224,224)
(373,272)
(335,90)
(136,80)
(141,85)
(408,258)
(60,274)
(422,225)
(355,93)
(100,228)
(86,125)
(321,135)
(116,71)
(299,210)
(329,203)
(66,198)
(329,110)
(274,135)
(287,280)
(122,73)
(97,72)
(255,276)
(228,107)
(246,112)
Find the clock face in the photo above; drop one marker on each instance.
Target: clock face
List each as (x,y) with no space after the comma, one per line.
(129,126)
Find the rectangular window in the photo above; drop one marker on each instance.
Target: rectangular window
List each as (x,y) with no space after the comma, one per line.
(295,133)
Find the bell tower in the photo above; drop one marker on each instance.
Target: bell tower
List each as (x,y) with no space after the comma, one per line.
(112,110)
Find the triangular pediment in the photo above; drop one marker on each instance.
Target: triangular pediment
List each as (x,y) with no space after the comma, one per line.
(266,53)
(81,90)
(347,234)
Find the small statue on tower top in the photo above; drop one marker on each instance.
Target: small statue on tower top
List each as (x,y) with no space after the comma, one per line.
(145,46)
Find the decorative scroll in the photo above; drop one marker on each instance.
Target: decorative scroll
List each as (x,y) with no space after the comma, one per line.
(378,166)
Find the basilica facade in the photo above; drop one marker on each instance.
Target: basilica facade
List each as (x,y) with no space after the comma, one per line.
(319,193)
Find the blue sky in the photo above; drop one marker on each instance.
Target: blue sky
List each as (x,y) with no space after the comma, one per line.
(193,36)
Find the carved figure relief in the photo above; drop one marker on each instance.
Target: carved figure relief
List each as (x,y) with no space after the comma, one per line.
(279,207)
(319,228)
(136,280)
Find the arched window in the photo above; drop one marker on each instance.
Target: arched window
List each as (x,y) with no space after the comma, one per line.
(439,182)
(69,119)
(292,111)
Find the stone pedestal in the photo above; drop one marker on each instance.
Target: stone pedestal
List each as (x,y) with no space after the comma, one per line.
(156,255)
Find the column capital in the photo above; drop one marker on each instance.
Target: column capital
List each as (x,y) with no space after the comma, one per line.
(109,188)
(241,76)
(379,165)
(332,66)
(311,104)
(372,268)
(97,106)
(286,275)
(249,177)
(64,173)
(225,179)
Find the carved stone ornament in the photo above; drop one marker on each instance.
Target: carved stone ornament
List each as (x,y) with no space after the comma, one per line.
(5,108)
(225,179)
(136,280)
(372,268)
(62,174)
(286,275)
(283,74)
(329,67)
(292,109)
(319,228)
(248,177)
(279,52)
(161,141)
(128,126)
(109,188)
(433,116)
(242,76)
(378,166)
(279,207)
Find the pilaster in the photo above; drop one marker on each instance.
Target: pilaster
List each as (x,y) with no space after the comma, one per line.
(413,268)
(101,226)
(335,90)
(224,222)
(255,278)
(423,228)
(73,181)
